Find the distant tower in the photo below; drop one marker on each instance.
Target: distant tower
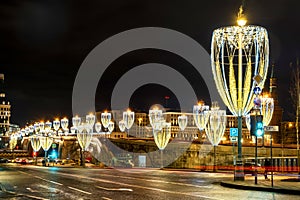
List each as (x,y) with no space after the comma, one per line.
(278,111)
(4,108)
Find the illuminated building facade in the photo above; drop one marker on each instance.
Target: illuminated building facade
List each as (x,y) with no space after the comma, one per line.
(4,108)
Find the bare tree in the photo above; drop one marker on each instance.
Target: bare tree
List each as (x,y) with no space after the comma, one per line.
(295,96)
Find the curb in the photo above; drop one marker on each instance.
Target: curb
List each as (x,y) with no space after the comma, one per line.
(260,188)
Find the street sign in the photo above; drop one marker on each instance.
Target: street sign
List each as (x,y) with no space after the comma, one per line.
(271,128)
(234,132)
(233,139)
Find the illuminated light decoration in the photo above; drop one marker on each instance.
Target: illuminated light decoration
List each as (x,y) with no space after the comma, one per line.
(35,144)
(90,120)
(36,127)
(105,119)
(182,122)
(267,109)
(64,124)
(56,124)
(31,129)
(73,130)
(76,121)
(42,126)
(266,106)
(111,126)
(46,143)
(13,140)
(84,136)
(155,115)
(47,126)
(216,125)
(122,126)
(249,45)
(128,117)
(200,115)
(162,137)
(98,127)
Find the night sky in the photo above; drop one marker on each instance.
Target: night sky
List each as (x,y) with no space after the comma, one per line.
(43,44)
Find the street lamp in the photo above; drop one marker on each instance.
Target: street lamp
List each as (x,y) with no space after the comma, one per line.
(162,136)
(105,119)
(182,122)
(128,117)
(237,54)
(215,127)
(122,126)
(35,144)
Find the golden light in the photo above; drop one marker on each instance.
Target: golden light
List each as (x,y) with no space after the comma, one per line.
(140,120)
(290,125)
(241,20)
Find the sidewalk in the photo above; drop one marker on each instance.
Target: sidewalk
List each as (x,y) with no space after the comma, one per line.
(285,185)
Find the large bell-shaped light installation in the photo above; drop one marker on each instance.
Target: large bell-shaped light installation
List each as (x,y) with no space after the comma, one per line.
(239,59)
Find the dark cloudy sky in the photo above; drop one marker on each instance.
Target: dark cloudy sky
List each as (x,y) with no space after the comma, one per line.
(43,43)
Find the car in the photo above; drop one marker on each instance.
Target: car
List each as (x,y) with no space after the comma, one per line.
(249,168)
(3,160)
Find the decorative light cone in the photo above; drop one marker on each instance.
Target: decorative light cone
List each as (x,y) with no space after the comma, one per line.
(200,115)
(13,141)
(182,122)
(90,120)
(46,142)
(238,53)
(84,136)
(111,126)
(31,129)
(42,126)
(128,117)
(76,121)
(35,143)
(162,137)
(47,126)
(105,119)
(98,127)
(56,124)
(36,127)
(73,130)
(64,124)
(267,109)
(122,126)
(215,127)
(155,115)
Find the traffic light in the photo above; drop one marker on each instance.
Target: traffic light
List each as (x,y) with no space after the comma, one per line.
(257,126)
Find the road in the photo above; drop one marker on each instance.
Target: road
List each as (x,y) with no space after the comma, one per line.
(33,182)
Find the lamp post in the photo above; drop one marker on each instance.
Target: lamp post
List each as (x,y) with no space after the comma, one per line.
(128,117)
(35,144)
(85,135)
(215,127)
(122,125)
(13,142)
(105,119)
(237,54)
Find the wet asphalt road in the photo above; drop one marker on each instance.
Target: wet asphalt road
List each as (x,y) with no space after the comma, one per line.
(31,182)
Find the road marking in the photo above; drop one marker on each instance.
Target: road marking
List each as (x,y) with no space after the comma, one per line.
(35,197)
(106,198)
(138,186)
(31,190)
(115,189)
(85,192)
(48,180)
